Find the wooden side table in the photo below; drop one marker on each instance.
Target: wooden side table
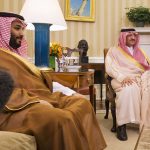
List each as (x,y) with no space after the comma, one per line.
(74,80)
(98,74)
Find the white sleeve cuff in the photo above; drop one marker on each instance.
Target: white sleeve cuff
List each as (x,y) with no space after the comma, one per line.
(65,90)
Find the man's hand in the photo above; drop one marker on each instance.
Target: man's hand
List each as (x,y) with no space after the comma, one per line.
(127,81)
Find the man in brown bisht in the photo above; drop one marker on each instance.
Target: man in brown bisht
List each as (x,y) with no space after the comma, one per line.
(57,121)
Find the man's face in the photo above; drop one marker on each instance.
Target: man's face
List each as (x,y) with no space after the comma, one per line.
(17,33)
(131,39)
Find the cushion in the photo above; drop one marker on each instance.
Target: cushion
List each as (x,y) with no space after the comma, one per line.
(16,141)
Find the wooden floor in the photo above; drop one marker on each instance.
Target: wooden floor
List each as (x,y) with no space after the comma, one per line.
(100,104)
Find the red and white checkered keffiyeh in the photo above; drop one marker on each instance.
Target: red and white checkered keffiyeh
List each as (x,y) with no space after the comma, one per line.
(5,34)
(137,54)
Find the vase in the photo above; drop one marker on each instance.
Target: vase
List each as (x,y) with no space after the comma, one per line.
(58,64)
(52,62)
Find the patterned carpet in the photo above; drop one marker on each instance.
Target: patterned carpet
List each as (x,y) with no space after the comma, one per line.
(112,142)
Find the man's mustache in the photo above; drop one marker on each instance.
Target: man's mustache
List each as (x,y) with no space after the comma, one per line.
(19,37)
(133,40)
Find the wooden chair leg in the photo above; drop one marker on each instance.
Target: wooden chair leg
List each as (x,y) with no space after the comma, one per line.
(107,108)
(95,103)
(101,86)
(113,112)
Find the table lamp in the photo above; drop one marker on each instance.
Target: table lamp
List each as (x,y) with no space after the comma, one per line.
(45,15)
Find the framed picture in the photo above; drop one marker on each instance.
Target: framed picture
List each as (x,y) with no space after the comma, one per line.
(80,10)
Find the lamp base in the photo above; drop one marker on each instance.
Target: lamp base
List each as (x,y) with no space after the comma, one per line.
(42,44)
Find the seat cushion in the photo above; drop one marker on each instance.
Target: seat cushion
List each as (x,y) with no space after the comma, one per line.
(16,141)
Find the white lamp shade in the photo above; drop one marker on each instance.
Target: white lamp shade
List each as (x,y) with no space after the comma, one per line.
(43,11)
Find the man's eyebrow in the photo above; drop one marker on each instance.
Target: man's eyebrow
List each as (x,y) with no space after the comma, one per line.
(17,25)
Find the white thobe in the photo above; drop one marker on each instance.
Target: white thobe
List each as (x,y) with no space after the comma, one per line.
(132,101)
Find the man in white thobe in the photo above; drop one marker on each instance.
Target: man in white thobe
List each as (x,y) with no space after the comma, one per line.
(129,68)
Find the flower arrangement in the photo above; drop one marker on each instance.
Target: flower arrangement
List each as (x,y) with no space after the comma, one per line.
(56,50)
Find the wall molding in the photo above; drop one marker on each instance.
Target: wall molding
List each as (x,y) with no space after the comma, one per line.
(96,59)
(91,59)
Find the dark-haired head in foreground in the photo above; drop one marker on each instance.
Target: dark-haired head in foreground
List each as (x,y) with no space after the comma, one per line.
(6,87)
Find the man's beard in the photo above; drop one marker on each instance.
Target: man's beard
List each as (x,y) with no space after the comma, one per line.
(13,42)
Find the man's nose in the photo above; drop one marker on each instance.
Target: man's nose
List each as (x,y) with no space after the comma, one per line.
(133,36)
(21,32)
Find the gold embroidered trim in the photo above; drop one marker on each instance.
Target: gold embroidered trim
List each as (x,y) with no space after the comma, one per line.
(147,58)
(16,109)
(131,59)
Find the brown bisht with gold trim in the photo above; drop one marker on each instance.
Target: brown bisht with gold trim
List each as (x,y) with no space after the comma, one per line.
(58,122)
